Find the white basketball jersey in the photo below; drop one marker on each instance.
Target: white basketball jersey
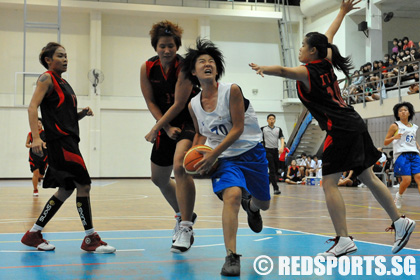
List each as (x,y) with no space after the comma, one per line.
(217,124)
(407,143)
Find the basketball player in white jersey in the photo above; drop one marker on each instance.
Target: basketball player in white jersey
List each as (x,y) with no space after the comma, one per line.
(224,118)
(402,135)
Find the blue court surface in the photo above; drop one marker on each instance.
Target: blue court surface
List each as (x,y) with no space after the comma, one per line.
(144,254)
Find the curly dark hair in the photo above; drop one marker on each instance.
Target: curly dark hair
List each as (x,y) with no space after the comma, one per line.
(48,51)
(168,29)
(203,46)
(404,104)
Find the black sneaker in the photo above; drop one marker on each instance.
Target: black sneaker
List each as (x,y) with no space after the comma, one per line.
(277,192)
(254,218)
(232,266)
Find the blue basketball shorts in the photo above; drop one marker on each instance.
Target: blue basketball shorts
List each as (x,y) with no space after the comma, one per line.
(407,164)
(248,171)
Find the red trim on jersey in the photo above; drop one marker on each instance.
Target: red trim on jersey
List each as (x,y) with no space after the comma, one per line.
(57,89)
(329,123)
(328,142)
(149,65)
(59,130)
(68,156)
(157,141)
(30,136)
(300,91)
(31,163)
(30,158)
(316,61)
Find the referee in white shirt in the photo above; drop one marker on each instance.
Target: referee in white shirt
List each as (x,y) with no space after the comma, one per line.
(271,136)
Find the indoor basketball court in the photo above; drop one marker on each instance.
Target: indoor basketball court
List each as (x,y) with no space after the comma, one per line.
(297,224)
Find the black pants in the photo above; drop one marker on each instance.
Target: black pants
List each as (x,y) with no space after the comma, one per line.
(273,166)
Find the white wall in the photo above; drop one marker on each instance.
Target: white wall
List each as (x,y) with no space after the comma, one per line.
(112,142)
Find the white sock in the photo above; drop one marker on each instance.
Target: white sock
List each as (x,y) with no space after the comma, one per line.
(90,231)
(36,228)
(186,224)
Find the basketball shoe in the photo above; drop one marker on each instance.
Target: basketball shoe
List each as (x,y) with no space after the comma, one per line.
(34,239)
(36,193)
(232,266)
(178,221)
(93,243)
(342,246)
(255,221)
(403,228)
(183,241)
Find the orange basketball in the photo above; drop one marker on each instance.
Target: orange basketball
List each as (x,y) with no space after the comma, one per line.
(192,157)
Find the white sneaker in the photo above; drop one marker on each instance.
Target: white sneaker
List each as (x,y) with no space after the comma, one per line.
(342,246)
(184,240)
(396,186)
(403,228)
(178,221)
(398,200)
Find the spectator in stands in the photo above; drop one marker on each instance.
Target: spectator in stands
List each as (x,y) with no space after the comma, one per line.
(371,89)
(407,43)
(400,46)
(401,54)
(402,69)
(407,56)
(293,176)
(395,44)
(386,58)
(414,54)
(394,56)
(414,88)
(390,77)
(382,66)
(355,86)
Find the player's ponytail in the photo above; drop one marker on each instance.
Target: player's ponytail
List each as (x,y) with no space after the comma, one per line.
(320,42)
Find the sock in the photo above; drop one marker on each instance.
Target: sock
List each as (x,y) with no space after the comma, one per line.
(90,231)
(84,210)
(49,211)
(252,207)
(36,228)
(186,224)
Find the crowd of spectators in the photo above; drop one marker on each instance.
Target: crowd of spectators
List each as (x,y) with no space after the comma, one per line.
(373,79)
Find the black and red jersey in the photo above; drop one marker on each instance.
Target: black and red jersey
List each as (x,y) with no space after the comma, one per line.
(324,101)
(163,86)
(59,110)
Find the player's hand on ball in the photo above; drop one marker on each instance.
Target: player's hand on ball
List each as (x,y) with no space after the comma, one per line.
(205,165)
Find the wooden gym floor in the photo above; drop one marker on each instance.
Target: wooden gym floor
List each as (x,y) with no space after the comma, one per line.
(125,211)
